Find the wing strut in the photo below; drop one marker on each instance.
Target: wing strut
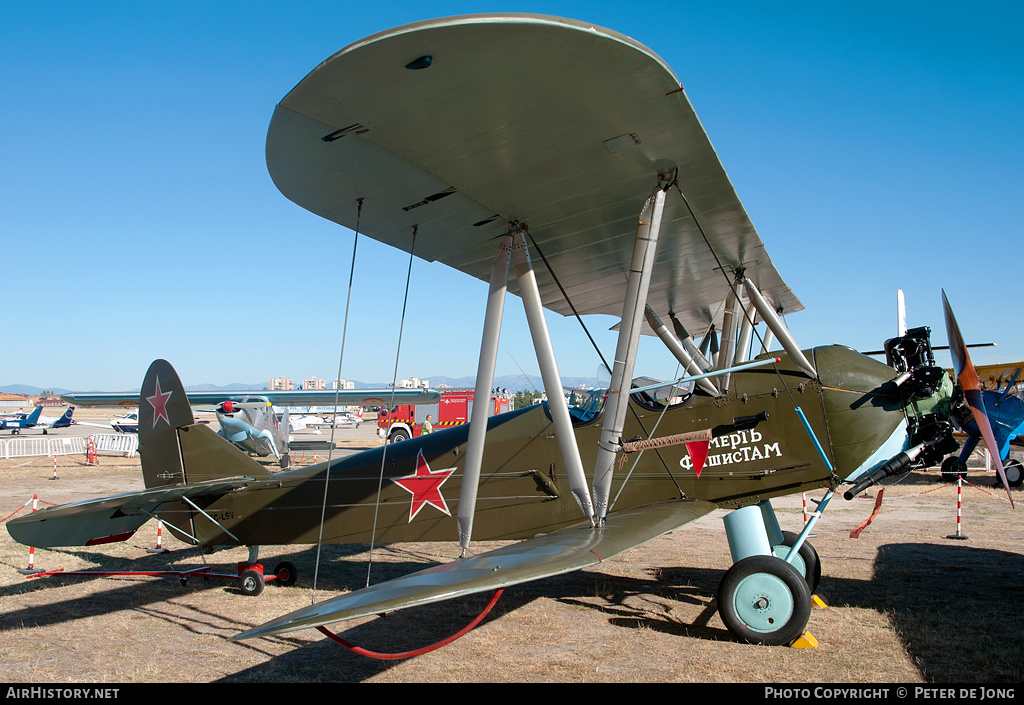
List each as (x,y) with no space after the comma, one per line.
(728,343)
(774,323)
(687,340)
(513,247)
(746,333)
(679,351)
(484,382)
(644,248)
(557,405)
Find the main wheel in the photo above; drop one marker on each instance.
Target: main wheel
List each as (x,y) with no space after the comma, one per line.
(1014,473)
(251,582)
(764,600)
(286,573)
(952,467)
(806,561)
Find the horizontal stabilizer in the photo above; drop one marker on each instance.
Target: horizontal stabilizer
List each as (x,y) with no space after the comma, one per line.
(552,554)
(109,518)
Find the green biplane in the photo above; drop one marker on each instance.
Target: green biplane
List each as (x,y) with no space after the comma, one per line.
(485,142)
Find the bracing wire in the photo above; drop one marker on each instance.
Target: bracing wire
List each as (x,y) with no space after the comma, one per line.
(732,287)
(337,391)
(391,404)
(661,415)
(572,307)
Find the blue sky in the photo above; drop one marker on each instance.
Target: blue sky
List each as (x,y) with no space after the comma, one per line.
(876,146)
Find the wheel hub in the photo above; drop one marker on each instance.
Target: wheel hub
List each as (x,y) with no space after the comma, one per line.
(763,601)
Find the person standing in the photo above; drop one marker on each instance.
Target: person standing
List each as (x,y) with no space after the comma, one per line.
(427,426)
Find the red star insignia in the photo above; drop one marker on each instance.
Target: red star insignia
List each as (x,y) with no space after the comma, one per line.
(425,487)
(159,404)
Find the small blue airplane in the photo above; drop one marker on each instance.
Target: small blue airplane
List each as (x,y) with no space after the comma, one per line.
(1005,409)
(34,420)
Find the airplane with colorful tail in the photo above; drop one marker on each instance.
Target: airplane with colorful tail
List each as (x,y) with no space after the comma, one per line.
(19,422)
(491,143)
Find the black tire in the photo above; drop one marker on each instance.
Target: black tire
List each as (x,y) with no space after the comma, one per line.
(952,468)
(764,600)
(811,564)
(286,573)
(1014,473)
(398,435)
(251,582)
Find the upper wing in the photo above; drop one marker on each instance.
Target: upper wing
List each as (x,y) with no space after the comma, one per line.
(555,123)
(287,397)
(107,519)
(997,376)
(553,554)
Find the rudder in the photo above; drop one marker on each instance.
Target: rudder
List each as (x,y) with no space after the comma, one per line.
(173,448)
(163,409)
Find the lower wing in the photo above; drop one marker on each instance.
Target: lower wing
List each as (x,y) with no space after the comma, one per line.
(541,557)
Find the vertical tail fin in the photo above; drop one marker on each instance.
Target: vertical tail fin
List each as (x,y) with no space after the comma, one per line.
(34,416)
(173,449)
(163,409)
(65,420)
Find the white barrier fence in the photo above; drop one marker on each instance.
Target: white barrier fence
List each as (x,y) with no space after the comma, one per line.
(128,444)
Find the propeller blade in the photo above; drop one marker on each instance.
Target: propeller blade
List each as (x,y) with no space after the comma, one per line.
(968,378)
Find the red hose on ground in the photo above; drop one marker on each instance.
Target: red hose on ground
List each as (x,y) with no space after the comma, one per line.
(416,652)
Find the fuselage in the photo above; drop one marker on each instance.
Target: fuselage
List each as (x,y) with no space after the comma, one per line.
(409,491)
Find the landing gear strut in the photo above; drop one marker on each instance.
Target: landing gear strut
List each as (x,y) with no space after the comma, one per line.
(765,597)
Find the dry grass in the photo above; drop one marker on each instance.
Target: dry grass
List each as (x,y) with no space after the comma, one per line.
(906,604)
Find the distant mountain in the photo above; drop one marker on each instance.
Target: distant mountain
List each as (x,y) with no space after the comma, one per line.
(513,383)
(30,390)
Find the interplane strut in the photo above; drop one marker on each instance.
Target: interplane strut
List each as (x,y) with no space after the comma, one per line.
(633,307)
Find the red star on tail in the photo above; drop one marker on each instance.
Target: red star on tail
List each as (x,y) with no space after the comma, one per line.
(425,487)
(159,404)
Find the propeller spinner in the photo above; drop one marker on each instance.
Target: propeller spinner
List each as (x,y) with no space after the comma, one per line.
(971,385)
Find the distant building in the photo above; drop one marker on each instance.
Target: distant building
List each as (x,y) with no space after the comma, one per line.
(414,383)
(281,384)
(14,401)
(314,383)
(343,384)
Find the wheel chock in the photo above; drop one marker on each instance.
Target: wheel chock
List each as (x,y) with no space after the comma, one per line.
(807,641)
(817,601)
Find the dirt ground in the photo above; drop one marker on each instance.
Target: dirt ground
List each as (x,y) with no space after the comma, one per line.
(905,603)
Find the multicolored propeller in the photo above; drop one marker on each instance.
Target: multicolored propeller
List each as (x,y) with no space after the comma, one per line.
(969,382)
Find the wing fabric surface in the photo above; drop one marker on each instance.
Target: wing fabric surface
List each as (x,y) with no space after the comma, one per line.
(555,123)
(109,518)
(553,554)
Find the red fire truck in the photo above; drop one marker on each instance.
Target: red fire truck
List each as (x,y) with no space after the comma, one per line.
(454,407)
